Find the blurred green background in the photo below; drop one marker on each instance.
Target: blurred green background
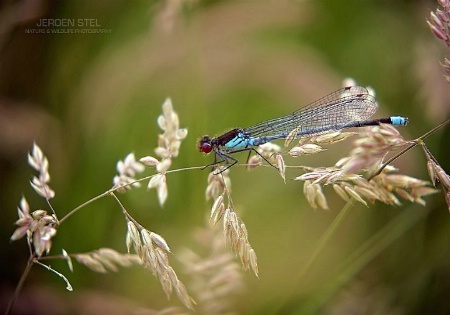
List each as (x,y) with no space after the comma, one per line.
(90,99)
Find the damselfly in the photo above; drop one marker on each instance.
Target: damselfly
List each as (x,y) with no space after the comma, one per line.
(344,108)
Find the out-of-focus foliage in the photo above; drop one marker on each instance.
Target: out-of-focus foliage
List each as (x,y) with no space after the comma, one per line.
(88,99)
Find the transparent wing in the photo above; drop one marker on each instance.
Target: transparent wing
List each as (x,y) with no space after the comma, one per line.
(343,106)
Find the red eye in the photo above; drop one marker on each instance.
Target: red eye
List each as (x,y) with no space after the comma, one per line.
(204,144)
(205,147)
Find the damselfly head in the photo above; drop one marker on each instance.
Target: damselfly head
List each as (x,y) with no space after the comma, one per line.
(204,144)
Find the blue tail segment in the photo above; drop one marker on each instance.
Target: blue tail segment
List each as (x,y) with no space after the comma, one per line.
(345,108)
(398,120)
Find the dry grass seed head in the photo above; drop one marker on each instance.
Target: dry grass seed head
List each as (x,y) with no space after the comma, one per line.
(217,184)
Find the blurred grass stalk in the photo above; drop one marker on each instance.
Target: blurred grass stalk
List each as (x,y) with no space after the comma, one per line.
(361,257)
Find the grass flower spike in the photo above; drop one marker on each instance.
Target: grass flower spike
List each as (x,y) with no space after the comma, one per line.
(168,147)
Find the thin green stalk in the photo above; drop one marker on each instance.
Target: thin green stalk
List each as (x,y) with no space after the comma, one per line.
(326,237)
(362,256)
(106,193)
(412,145)
(19,286)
